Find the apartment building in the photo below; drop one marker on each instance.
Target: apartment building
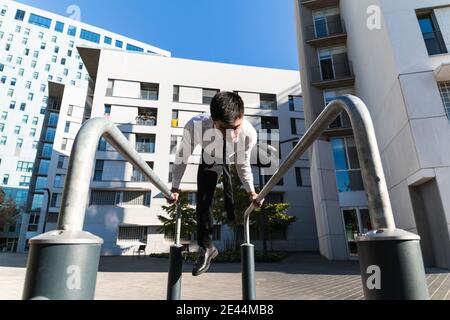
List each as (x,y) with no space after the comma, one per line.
(394,56)
(37,46)
(151,98)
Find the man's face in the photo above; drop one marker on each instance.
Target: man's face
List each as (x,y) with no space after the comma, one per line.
(233,128)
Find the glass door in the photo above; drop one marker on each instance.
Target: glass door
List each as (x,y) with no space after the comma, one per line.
(326,65)
(320,27)
(356,222)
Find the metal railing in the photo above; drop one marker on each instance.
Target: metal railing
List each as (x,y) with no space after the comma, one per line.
(394,251)
(325,29)
(329,72)
(58,256)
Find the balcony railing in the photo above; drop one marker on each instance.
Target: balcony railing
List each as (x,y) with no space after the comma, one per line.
(149,94)
(328,72)
(325,29)
(316,4)
(144,147)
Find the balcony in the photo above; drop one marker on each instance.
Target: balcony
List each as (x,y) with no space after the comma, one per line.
(332,75)
(327,32)
(339,127)
(317,4)
(146,117)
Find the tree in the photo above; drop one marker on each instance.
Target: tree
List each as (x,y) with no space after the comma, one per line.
(8,210)
(188,218)
(273,217)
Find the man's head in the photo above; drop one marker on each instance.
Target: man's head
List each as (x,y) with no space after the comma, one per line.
(227,112)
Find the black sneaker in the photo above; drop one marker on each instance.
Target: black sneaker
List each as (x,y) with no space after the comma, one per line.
(204,260)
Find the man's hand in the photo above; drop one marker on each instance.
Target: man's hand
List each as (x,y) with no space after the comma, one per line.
(175,194)
(256,203)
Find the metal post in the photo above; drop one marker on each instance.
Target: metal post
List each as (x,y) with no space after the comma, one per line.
(175,262)
(390,259)
(248,271)
(63,264)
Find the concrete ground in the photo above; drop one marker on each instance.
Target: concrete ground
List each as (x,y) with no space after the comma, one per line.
(299,277)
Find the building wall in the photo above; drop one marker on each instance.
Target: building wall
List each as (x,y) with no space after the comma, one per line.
(131,69)
(19,36)
(395,77)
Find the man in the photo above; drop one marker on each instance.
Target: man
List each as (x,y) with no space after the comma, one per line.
(220,133)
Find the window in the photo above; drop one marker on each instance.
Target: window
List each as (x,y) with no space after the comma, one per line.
(55,201)
(43,110)
(348,173)
(72,31)
(175,114)
(28,85)
(40,21)
(119,44)
(99,165)
(131,47)
(297,126)
(19,143)
(444,89)
(2,67)
(59,27)
(90,36)
(269,123)
(13,81)
(43,166)
(66,72)
(30,96)
(35,121)
(63,61)
(47,149)
(70,110)
(104,198)
(3,79)
(33,132)
(2,127)
(27,31)
(431,34)
(10,92)
(43,87)
(69,53)
(5,179)
(59,181)
(21,71)
(50,134)
(36,54)
(35,145)
(64,143)
(3,140)
(41,182)
(61,162)
(54,39)
(9,58)
(25,119)
(26,51)
(17,129)
(7,47)
(19,60)
(107,40)
(110,88)
(36,75)
(107,110)
(71,44)
(67,127)
(24,181)
(174,141)
(303,177)
(20,15)
(56,50)
(4,115)
(208,95)
(149,91)
(12,105)
(295,103)
(23,166)
(138,176)
(145,143)
(268,101)
(135,234)
(53,119)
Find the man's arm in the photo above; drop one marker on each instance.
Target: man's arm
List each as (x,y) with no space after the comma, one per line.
(183,153)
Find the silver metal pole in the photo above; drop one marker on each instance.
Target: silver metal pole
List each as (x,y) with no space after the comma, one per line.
(178,226)
(81,163)
(366,144)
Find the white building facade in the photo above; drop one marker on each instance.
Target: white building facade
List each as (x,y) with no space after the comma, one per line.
(394,55)
(37,46)
(151,98)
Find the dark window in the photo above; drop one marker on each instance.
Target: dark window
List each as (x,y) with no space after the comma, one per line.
(90,36)
(108,40)
(119,44)
(59,27)
(431,34)
(99,164)
(131,47)
(20,15)
(72,31)
(40,21)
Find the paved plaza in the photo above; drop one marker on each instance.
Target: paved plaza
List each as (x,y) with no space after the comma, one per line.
(300,276)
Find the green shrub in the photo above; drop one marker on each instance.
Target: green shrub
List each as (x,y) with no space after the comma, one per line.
(233,256)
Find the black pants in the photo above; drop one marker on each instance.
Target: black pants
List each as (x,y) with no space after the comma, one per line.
(208,176)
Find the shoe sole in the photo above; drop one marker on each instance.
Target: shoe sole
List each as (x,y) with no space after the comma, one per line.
(213,256)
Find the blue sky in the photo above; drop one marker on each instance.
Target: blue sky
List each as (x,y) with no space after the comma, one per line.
(249,32)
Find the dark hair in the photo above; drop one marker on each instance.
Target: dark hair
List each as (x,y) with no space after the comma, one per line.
(227,107)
